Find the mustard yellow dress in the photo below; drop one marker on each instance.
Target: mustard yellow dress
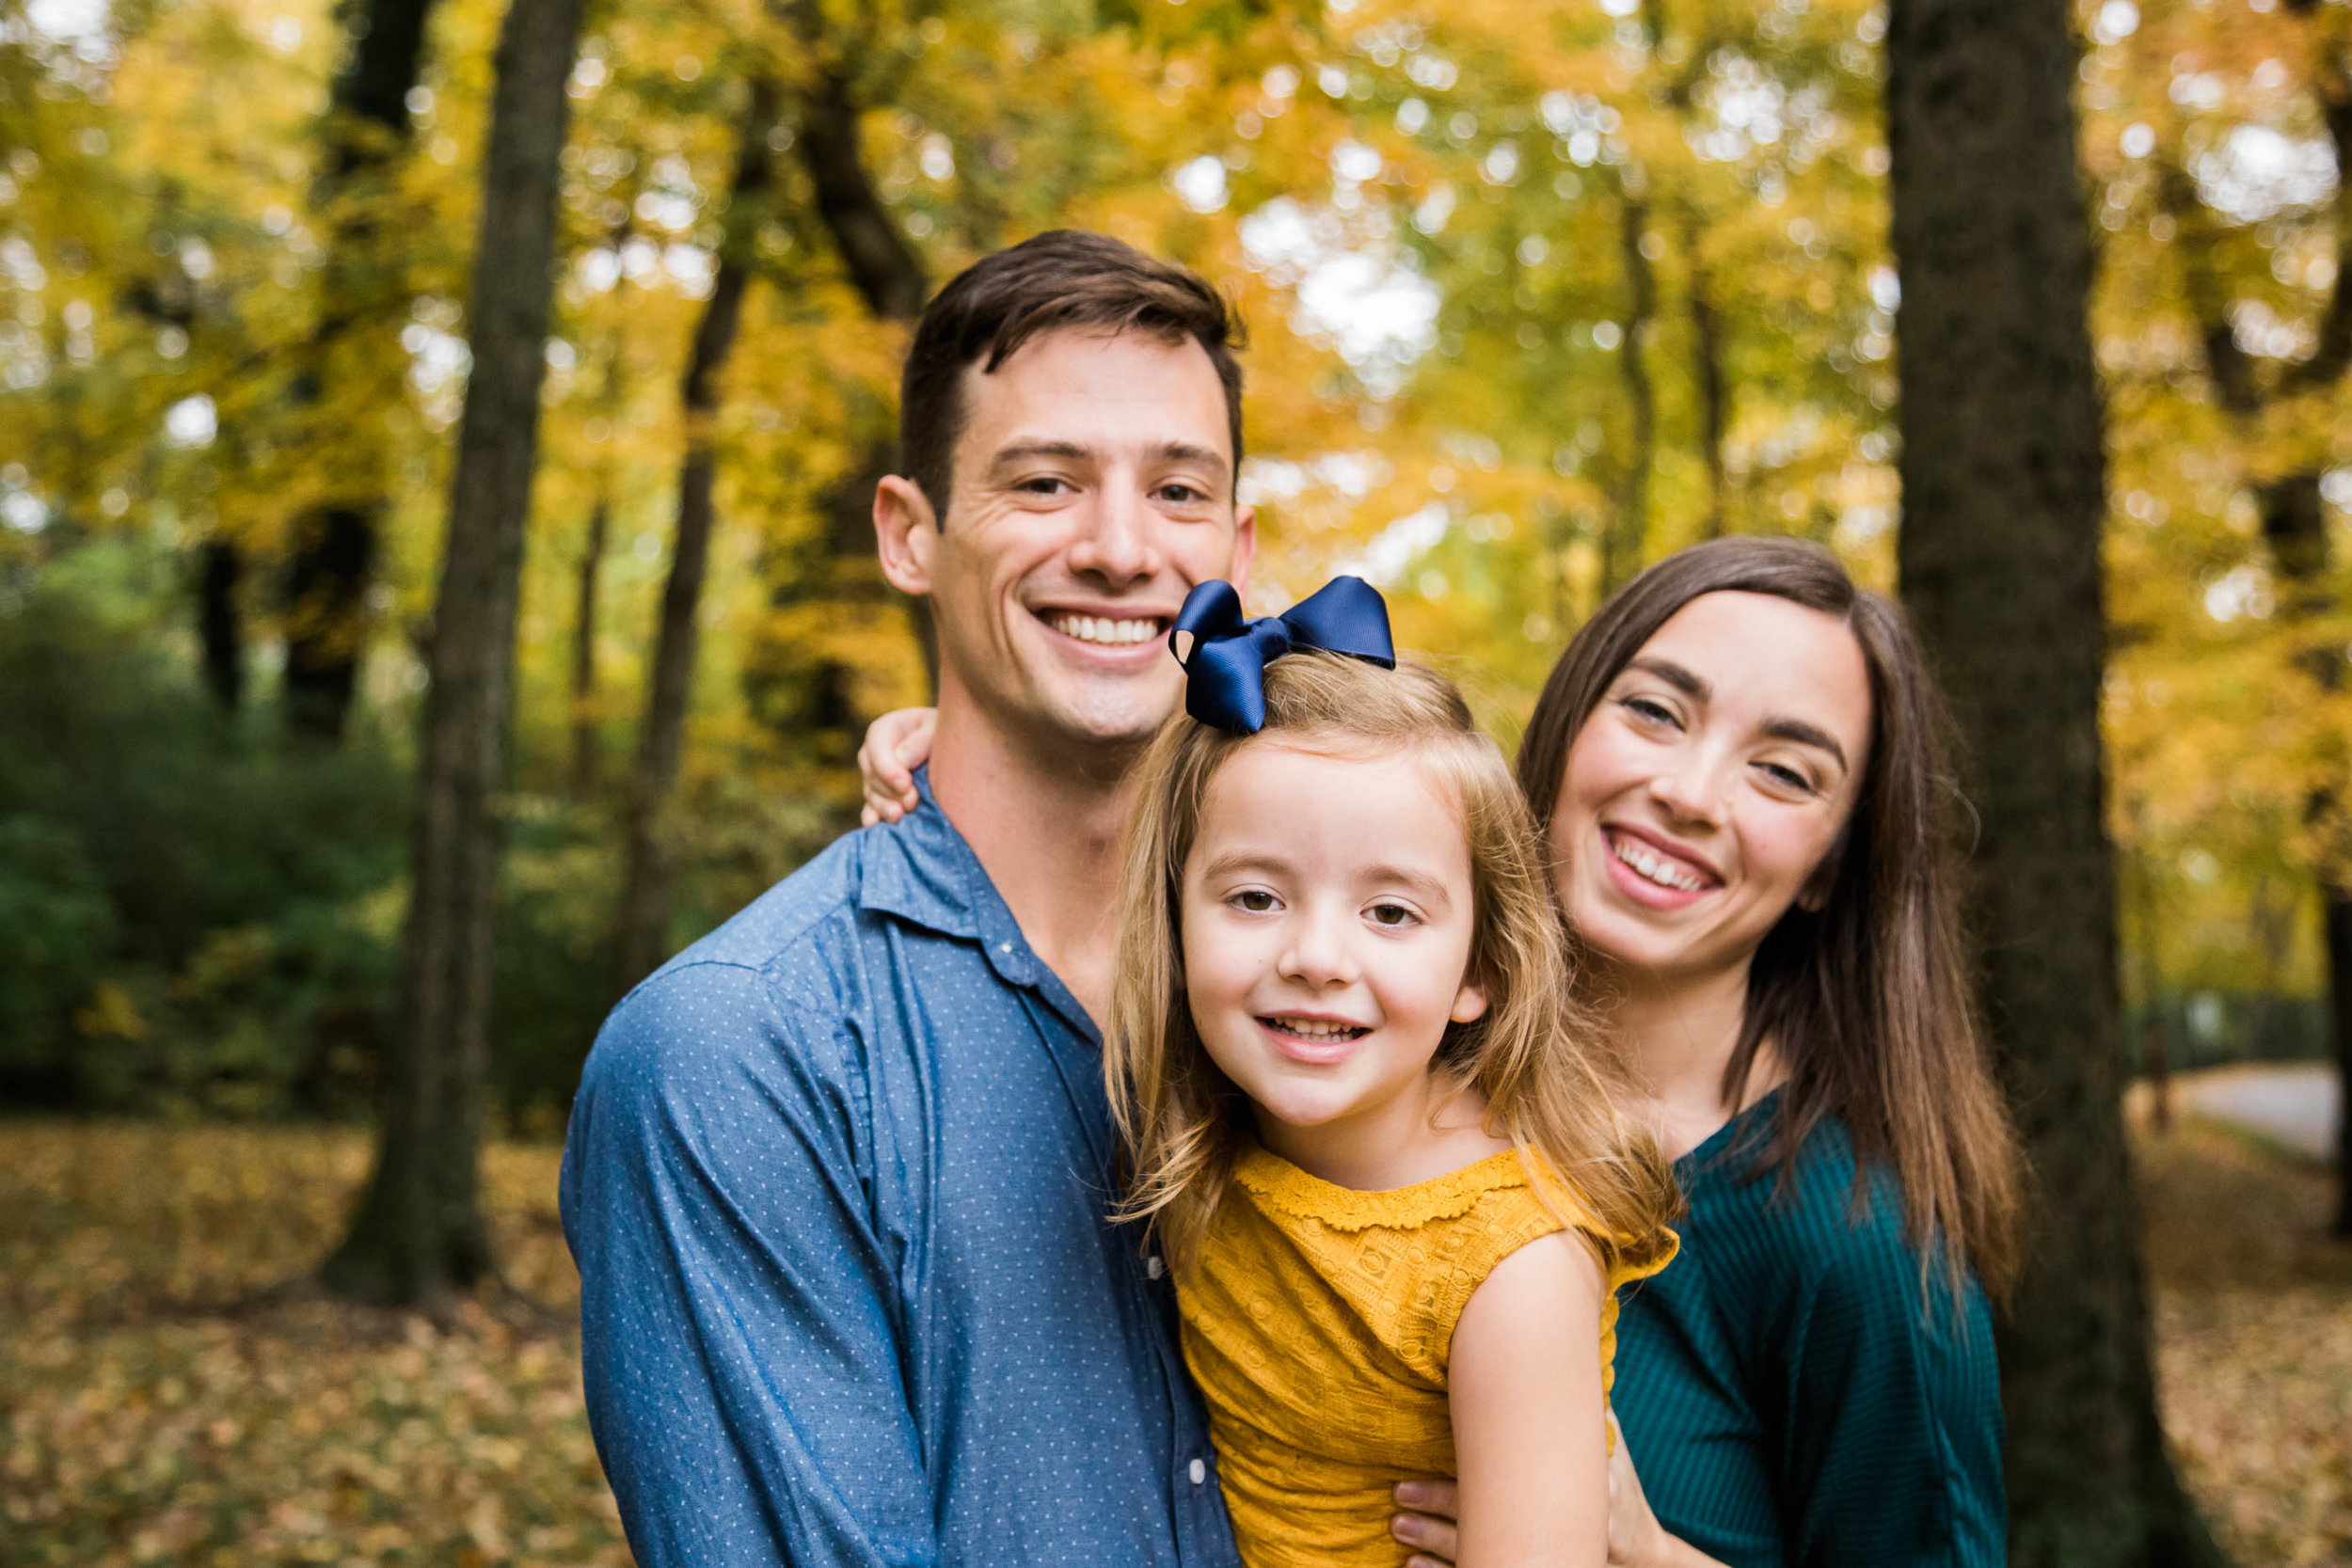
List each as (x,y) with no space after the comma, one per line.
(1319,1322)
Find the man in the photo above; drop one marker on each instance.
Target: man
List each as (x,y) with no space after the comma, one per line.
(836,1174)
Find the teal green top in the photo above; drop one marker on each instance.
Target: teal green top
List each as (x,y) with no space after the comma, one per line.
(1792,1391)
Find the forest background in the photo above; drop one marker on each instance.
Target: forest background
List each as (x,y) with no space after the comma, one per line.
(1536,294)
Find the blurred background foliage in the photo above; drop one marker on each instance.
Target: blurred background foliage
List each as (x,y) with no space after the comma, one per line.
(1536,294)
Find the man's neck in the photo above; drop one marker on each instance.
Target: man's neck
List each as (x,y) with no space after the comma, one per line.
(1046,830)
(1679,1032)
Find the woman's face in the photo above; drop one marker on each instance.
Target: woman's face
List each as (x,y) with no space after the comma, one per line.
(1705,791)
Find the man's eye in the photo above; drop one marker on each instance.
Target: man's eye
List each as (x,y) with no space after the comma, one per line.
(1392,914)
(1044,485)
(1255,900)
(1183,495)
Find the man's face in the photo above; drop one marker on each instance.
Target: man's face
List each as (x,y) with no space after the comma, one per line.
(1092,488)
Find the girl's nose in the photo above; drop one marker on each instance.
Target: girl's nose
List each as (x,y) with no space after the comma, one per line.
(1318,953)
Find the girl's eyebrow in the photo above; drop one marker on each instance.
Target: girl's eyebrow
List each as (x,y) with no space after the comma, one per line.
(1431,890)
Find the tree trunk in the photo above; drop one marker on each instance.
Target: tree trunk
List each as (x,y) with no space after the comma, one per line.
(1707,352)
(645,892)
(418,1228)
(2000,558)
(365,134)
(888,276)
(220,573)
(584,644)
(1621,549)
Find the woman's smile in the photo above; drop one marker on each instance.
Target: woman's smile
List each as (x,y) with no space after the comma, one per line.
(1651,872)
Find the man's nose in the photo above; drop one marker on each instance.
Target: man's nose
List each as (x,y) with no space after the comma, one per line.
(1120,545)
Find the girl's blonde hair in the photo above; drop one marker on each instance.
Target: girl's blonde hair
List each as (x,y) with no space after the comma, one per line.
(1548,1077)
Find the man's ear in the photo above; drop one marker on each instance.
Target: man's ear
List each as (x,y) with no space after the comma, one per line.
(1245,548)
(906,535)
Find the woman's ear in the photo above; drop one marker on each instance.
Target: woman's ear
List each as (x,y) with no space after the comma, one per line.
(1469,1002)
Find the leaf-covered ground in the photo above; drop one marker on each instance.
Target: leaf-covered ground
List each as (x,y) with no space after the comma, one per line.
(162,1404)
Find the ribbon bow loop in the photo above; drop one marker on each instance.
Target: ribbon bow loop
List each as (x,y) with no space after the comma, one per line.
(1225,662)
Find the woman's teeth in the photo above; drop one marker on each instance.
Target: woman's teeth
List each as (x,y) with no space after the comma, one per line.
(1321,1031)
(1097,628)
(1654,868)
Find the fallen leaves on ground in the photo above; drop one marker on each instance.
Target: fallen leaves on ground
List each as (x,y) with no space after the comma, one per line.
(2253,1312)
(164,1403)
(164,1406)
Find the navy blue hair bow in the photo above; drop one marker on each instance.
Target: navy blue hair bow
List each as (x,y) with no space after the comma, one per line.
(1225,668)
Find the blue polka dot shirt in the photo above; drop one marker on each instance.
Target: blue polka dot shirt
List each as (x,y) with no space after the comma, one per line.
(835,1181)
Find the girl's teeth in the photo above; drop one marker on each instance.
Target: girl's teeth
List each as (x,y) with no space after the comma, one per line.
(1654,868)
(1307,1029)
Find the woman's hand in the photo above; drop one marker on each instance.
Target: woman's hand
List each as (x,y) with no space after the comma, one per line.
(897,744)
(1636,1539)
(1426,1525)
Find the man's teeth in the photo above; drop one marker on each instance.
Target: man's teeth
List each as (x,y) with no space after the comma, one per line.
(1318,1029)
(1098,628)
(1656,868)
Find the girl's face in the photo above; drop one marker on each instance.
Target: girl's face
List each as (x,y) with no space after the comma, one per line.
(1326,925)
(1707,789)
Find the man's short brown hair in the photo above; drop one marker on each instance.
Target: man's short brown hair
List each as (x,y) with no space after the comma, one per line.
(1062,278)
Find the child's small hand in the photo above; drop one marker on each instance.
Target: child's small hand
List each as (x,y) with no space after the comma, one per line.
(1428,1523)
(896,745)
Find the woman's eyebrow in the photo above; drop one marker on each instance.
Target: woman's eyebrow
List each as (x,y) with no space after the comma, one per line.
(1684,681)
(1806,734)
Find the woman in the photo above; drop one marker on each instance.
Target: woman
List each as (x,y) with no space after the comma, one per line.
(1740,771)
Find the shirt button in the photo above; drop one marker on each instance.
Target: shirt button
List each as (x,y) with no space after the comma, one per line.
(1197,1471)
(1154,1267)
(1004,947)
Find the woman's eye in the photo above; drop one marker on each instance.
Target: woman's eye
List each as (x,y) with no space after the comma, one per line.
(1648,711)
(1391,914)
(1785,777)
(1254,901)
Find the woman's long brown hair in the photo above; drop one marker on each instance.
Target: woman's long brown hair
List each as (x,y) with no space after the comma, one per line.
(1866,1000)
(1551,1080)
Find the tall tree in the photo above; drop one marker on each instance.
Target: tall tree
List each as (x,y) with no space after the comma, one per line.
(364,134)
(645,888)
(418,1228)
(1623,544)
(2003,477)
(2296,405)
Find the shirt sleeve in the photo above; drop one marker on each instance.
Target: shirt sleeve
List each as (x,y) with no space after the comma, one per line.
(1892,1445)
(740,1331)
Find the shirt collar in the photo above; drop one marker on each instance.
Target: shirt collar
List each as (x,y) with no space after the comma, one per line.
(921,870)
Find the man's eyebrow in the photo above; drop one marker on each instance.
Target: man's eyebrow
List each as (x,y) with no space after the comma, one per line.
(1184,452)
(1674,674)
(1018,450)
(1807,734)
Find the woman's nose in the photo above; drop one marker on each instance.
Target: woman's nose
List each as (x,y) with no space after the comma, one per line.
(1693,792)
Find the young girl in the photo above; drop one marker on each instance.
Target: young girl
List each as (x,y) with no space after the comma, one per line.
(1366,1125)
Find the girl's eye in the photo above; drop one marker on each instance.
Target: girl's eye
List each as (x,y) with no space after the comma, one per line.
(1391,915)
(1254,901)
